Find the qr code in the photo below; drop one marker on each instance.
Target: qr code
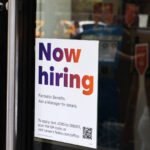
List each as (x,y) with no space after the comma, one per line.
(87,133)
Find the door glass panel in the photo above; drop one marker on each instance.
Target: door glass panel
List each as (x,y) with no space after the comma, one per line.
(122,31)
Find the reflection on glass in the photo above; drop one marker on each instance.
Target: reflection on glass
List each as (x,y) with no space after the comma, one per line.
(124,99)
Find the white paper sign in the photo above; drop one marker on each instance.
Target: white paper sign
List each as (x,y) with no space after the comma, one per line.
(66,87)
(143,20)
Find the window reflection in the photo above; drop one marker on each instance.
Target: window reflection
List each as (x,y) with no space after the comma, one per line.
(119,26)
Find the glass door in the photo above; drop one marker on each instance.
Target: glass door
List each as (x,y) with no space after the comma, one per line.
(120,28)
(83,75)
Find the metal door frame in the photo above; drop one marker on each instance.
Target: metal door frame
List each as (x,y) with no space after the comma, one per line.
(20,74)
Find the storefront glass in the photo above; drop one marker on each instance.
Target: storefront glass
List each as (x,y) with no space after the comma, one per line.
(122,30)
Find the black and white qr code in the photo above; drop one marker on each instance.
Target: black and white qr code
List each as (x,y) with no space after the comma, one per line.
(87,133)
